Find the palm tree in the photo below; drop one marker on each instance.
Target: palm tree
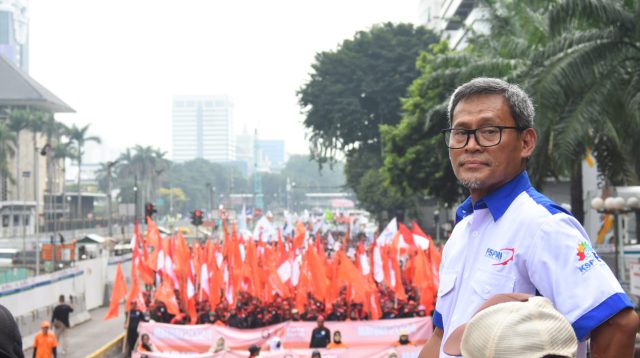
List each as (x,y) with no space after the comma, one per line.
(147,163)
(517,29)
(79,137)
(36,125)
(7,150)
(591,72)
(18,121)
(55,132)
(61,151)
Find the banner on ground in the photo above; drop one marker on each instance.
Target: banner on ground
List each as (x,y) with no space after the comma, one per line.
(294,335)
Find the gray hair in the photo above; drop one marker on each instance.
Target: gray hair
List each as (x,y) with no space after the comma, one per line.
(519,102)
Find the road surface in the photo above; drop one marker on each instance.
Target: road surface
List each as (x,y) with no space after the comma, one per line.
(90,336)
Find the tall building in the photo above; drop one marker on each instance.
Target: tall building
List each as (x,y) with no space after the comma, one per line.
(203,128)
(454,18)
(14,32)
(245,150)
(273,152)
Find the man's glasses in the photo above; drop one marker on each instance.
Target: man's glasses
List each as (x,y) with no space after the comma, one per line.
(487,136)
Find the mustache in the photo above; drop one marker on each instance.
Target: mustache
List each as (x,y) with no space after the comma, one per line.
(462,161)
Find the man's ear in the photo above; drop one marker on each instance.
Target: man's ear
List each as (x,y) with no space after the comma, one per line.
(529,139)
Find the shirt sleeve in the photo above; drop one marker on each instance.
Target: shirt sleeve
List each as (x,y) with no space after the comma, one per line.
(437,320)
(564,268)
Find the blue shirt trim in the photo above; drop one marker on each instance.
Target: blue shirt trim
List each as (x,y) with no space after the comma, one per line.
(547,203)
(602,312)
(497,201)
(437,320)
(466,208)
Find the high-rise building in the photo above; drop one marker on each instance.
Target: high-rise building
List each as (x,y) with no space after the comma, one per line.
(245,150)
(14,32)
(203,128)
(454,17)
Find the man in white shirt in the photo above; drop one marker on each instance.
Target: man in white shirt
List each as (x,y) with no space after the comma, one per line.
(510,238)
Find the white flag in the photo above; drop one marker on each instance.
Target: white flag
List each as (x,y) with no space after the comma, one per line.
(386,236)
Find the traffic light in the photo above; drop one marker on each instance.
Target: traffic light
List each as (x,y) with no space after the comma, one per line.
(149,210)
(196,217)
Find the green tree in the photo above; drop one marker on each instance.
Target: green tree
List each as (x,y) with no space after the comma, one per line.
(356,89)
(7,151)
(305,173)
(36,126)
(174,199)
(143,166)
(593,64)
(416,159)
(18,122)
(193,176)
(79,137)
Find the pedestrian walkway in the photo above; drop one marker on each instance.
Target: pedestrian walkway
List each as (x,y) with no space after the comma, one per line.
(90,336)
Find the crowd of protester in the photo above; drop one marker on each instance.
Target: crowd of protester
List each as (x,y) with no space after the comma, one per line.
(251,312)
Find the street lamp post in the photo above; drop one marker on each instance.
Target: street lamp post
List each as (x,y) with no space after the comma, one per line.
(616,206)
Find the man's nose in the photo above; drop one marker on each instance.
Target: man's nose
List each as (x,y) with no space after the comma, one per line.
(472,143)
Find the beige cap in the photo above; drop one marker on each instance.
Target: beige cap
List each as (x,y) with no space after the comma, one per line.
(530,328)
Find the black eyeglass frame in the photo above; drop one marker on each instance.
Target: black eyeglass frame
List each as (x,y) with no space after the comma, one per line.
(469,132)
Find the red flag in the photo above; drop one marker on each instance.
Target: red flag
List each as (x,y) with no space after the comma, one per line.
(423,280)
(406,235)
(434,255)
(216,285)
(303,287)
(318,276)
(375,311)
(191,301)
(349,273)
(166,295)
(301,234)
(333,290)
(135,288)
(119,292)
(275,285)
(153,234)
(146,274)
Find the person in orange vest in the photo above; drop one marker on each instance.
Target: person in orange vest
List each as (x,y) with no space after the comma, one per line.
(45,343)
(404,339)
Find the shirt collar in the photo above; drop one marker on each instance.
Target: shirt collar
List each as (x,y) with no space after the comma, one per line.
(497,201)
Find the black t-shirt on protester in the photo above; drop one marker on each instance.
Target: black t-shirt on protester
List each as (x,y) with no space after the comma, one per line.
(320,337)
(61,313)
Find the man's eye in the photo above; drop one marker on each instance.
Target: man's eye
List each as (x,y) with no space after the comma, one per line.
(489,131)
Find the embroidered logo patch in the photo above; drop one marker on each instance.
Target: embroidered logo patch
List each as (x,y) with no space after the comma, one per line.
(587,257)
(502,256)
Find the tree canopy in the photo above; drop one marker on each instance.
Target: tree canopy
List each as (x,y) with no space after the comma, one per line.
(353,91)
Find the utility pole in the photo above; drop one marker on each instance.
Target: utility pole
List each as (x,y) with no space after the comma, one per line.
(209,192)
(135,198)
(109,199)
(22,219)
(48,152)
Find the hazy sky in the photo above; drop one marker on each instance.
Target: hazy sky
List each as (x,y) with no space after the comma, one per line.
(118,63)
